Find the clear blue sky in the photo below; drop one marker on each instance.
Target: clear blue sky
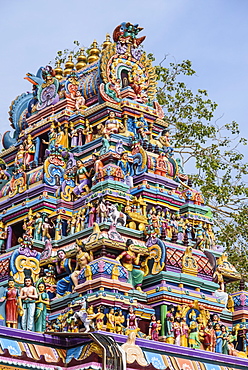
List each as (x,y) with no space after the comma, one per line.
(213,34)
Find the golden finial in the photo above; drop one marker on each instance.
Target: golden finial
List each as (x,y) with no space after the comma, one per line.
(107,42)
(81,60)
(93,53)
(58,70)
(69,65)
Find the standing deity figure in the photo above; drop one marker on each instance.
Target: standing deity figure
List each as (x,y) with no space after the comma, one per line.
(110,326)
(13,304)
(161,165)
(131,320)
(38,226)
(126,168)
(98,168)
(63,266)
(177,331)
(29,151)
(52,137)
(58,228)
(169,328)
(88,132)
(28,296)
(82,259)
(74,136)
(99,317)
(82,178)
(194,341)
(41,308)
(209,337)
(119,320)
(3,236)
(219,338)
(45,229)
(129,258)
(184,332)
(19,159)
(154,328)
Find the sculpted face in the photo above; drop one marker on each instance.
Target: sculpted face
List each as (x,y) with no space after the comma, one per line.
(111,115)
(11,284)
(41,288)
(83,260)
(61,255)
(28,282)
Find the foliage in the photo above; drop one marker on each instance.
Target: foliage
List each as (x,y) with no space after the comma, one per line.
(214,150)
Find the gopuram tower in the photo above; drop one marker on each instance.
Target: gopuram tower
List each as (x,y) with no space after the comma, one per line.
(108,257)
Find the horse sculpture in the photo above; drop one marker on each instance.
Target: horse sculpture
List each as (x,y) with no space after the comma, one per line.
(117,217)
(85,318)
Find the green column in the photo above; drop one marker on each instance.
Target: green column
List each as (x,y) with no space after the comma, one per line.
(163,312)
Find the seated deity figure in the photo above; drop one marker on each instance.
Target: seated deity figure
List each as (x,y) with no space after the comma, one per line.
(111,125)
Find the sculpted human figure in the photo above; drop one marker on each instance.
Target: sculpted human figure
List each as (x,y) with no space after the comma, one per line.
(82,179)
(28,296)
(19,159)
(110,326)
(126,168)
(129,259)
(119,320)
(29,151)
(82,259)
(98,167)
(64,285)
(88,132)
(45,229)
(131,320)
(41,308)
(154,328)
(38,226)
(12,301)
(111,125)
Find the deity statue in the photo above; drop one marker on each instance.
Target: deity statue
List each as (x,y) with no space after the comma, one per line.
(74,136)
(3,236)
(177,331)
(13,305)
(130,258)
(91,213)
(169,329)
(19,159)
(28,296)
(29,151)
(154,328)
(132,324)
(98,168)
(38,226)
(209,337)
(119,320)
(126,168)
(45,229)
(194,341)
(79,101)
(99,317)
(88,132)
(110,326)
(82,259)
(161,165)
(184,332)
(58,228)
(219,338)
(41,308)
(64,285)
(111,125)
(82,179)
